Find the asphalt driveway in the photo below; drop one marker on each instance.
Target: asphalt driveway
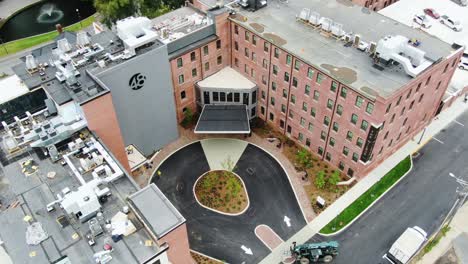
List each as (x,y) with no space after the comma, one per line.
(220,236)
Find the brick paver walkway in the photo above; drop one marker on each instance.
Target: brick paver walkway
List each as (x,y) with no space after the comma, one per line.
(268,236)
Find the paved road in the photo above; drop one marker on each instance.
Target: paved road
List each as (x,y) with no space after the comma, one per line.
(220,236)
(422,198)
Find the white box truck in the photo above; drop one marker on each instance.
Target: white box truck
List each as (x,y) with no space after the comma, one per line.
(406,245)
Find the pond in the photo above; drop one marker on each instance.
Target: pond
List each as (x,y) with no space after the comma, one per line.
(43,16)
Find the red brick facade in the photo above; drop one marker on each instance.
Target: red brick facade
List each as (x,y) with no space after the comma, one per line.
(374,5)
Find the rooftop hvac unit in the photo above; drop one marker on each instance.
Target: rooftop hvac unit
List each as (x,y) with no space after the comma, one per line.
(46,124)
(357,40)
(37,128)
(92,91)
(326,23)
(82,38)
(314,18)
(372,48)
(43,135)
(305,13)
(63,45)
(52,132)
(31,63)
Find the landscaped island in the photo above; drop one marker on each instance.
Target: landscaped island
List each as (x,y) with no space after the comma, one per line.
(223,191)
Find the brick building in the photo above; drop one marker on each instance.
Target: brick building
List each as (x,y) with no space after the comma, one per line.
(374,5)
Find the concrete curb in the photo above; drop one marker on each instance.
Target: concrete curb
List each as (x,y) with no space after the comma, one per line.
(370,206)
(217,211)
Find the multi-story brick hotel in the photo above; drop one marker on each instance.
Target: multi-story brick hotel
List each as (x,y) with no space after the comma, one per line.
(346,83)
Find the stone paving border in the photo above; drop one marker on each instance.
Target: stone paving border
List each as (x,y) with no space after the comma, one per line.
(217,211)
(268,236)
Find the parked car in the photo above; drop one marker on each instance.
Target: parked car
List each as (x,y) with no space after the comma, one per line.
(422,20)
(463,65)
(432,13)
(453,24)
(461,2)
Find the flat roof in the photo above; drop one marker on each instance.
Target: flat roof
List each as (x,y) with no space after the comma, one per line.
(276,23)
(11,87)
(135,157)
(223,119)
(227,78)
(156,210)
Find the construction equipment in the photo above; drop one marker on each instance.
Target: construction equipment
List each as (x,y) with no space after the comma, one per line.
(314,252)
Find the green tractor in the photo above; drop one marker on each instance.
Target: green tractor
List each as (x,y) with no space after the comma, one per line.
(314,252)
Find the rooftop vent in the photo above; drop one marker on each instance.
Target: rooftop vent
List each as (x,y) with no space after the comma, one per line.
(63,45)
(82,38)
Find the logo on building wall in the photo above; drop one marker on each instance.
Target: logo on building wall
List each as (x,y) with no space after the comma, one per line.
(137,81)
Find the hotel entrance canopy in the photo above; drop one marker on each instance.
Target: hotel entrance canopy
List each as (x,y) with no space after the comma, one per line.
(223,119)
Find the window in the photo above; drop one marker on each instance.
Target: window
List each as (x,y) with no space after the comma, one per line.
(219,60)
(297,65)
(345,150)
(289,129)
(428,80)
(326,120)
(349,135)
(344,92)
(285,93)
(302,121)
(438,85)
(254,57)
(247,35)
(354,118)
(381,149)
(293,98)
(319,78)
(313,112)
(283,108)
(364,125)
(294,82)
(310,73)
(236,45)
(399,135)
(181,79)
(307,89)
(393,118)
(275,70)
(229,97)
(288,59)
(386,135)
(276,53)
(246,68)
(339,110)
(216,96)
(237,97)
(341,166)
(236,62)
(194,72)
(311,127)
(300,137)
(308,142)
(272,116)
(291,114)
(316,95)
(304,106)
(402,111)
(320,151)
(350,172)
(222,96)
(272,101)
(264,79)
(388,108)
(355,157)
(335,126)
(409,94)
(180,63)
(218,44)
(333,86)
(205,50)
(246,52)
(323,135)
(207,66)
(417,88)
(263,94)
(265,63)
(262,110)
(404,122)
(330,104)
(420,98)
(391,142)
(266,46)
(236,29)
(254,40)
(359,142)
(183,95)
(282,123)
(399,100)
(192,56)
(370,108)
(411,105)
(328,156)
(359,101)
(273,86)
(254,97)
(252,73)
(286,76)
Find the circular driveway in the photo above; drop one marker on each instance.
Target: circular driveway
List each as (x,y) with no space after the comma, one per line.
(230,238)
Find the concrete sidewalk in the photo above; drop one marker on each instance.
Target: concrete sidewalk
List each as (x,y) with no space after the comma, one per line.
(457,226)
(444,119)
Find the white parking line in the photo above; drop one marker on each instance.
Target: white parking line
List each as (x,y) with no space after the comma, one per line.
(458,123)
(437,140)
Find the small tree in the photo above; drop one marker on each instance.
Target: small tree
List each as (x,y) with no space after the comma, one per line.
(188,117)
(334,178)
(303,157)
(320,180)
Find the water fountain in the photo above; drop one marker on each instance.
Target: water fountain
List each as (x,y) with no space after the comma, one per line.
(49,13)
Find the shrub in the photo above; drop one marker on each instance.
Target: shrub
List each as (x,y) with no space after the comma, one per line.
(303,157)
(334,178)
(320,180)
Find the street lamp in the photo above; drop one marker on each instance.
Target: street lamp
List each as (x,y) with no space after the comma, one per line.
(79,17)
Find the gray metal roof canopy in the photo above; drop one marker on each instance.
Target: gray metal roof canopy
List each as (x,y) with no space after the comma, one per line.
(223,119)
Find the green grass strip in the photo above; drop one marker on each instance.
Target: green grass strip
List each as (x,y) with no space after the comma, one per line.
(25,43)
(366,199)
